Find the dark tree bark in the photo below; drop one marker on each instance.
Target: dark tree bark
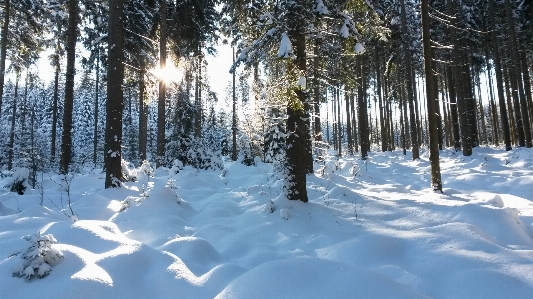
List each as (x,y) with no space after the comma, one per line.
(409,84)
(471,103)
(523,127)
(234,117)
(13,116)
(493,110)
(339,122)
(446,130)
(361,111)
(96,103)
(335,124)
(354,124)
(143,117)
(510,108)
(68,106)
(3,49)
(54,113)
(162,86)
(316,95)
(382,120)
(115,95)
(527,85)
(348,121)
(458,80)
(436,181)
(296,125)
(499,78)
(198,98)
(403,120)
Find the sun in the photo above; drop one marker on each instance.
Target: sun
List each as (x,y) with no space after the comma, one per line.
(168,74)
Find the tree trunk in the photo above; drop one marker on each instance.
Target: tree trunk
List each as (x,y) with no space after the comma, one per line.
(409,84)
(339,122)
(458,81)
(361,104)
(96,100)
(447,131)
(115,97)
(499,78)
(234,118)
(436,182)
(3,46)
(162,86)
(198,99)
(402,123)
(527,85)
(521,116)
(13,117)
(316,95)
(382,121)
(354,123)
(296,126)
(334,123)
(54,114)
(509,98)
(68,106)
(143,118)
(493,112)
(481,109)
(348,121)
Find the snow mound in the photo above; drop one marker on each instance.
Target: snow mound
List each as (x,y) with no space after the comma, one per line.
(497,201)
(198,254)
(313,278)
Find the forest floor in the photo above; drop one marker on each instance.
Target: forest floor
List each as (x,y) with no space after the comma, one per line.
(370,230)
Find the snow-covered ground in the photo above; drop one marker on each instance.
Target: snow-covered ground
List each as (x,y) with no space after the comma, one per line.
(379,234)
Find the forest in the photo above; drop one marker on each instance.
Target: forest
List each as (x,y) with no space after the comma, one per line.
(440,74)
(359,149)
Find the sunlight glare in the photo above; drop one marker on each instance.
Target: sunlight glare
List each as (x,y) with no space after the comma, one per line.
(168,74)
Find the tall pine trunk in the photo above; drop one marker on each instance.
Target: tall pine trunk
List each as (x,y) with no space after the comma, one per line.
(521,114)
(68,106)
(54,114)
(409,84)
(296,126)
(143,118)
(436,181)
(499,78)
(96,102)
(115,95)
(13,117)
(3,49)
(162,86)
(316,95)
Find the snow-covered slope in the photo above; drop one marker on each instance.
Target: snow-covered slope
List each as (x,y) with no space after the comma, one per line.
(370,230)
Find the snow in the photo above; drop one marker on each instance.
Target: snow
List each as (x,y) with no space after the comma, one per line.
(359,48)
(371,229)
(302,82)
(345,32)
(20,174)
(285,47)
(321,8)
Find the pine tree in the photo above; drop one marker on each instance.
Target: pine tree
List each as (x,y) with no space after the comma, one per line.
(115,101)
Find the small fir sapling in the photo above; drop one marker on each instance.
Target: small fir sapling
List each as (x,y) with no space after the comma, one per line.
(177,165)
(39,257)
(269,206)
(171,183)
(284,214)
(144,174)
(19,182)
(127,173)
